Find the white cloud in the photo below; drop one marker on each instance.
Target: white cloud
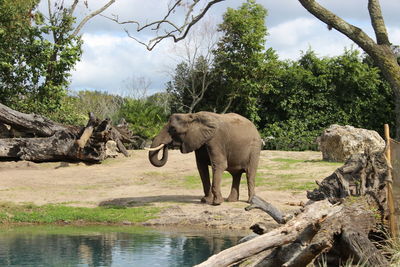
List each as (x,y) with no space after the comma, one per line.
(292,37)
(289,33)
(394,35)
(108,60)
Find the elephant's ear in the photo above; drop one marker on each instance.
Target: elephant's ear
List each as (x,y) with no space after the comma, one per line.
(201,128)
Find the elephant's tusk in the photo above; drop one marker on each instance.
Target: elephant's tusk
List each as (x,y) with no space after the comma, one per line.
(154,148)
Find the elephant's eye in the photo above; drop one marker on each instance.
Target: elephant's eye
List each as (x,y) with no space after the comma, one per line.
(172,130)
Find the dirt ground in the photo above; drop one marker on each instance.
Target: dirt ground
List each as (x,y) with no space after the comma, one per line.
(282,179)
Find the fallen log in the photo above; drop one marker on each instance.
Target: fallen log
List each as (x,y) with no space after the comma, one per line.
(333,227)
(31,123)
(311,217)
(51,141)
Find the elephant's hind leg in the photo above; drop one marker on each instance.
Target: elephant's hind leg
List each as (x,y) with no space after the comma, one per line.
(234,195)
(251,177)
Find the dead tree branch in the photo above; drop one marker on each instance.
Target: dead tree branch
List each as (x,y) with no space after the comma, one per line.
(177,32)
(88,17)
(50,141)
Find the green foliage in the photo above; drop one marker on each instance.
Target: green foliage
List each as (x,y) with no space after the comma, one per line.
(101,104)
(314,93)
(145,118)
(189,85)
(34,71)
(290,135)
(71,112)
(239,57)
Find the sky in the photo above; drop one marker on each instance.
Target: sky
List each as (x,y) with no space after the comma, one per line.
(113,63)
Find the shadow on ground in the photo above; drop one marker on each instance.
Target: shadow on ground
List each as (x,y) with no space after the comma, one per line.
(150,200)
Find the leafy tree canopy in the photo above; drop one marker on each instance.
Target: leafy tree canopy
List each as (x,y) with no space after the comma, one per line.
(34,70)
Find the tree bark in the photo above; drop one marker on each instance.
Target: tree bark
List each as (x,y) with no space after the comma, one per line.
(51,141)
(31,123)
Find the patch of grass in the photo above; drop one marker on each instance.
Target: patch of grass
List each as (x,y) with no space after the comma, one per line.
(298,186)
(51,229)
(326,163)
(91,187)
(286,163)
(289,164)
(30,213)
(192,181)
(285,182)
(392,248)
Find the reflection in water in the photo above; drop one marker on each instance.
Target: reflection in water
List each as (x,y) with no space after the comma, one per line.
(116,246)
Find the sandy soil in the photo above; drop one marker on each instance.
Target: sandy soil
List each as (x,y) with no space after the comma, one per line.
(134,181)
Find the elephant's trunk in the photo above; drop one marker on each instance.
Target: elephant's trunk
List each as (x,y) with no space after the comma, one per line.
(163,138)
(153,157)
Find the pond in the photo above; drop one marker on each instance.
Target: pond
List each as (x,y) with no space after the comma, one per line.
(109,246)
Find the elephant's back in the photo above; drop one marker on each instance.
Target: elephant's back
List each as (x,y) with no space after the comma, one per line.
(242,133)
(240,124)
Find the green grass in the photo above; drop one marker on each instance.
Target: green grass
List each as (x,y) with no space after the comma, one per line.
(285,182)
(288,161)
(30,213)
(194,181)
(288,164)
(52,229)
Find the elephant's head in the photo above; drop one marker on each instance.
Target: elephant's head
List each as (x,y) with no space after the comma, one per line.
(189,131)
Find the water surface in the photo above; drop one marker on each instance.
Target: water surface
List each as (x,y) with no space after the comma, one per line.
(109,246)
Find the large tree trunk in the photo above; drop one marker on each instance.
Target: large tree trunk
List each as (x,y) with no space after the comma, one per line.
(31,123)
(380,50)
(346,208)
(40,139)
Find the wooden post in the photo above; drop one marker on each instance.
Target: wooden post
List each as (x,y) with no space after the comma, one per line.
(389,183)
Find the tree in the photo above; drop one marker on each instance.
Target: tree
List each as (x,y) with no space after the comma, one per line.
(240,57)
(379,50)
(37,53)
(190,83)
(144,117)
(193,75)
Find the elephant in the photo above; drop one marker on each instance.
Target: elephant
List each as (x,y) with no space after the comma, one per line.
(226,142)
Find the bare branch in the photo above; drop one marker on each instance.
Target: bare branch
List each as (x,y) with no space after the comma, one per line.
(378,23)
(351,31)
(178,32)
(170,10)
(196,19)
(73,7)
(91,15)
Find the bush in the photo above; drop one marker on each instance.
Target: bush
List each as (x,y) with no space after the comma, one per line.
(289,135)
(145,118)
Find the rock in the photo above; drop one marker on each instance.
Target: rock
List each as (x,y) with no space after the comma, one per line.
(338,143)
(111,149)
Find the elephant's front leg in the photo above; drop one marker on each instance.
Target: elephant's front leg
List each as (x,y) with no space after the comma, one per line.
(216,184)
(202,162)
